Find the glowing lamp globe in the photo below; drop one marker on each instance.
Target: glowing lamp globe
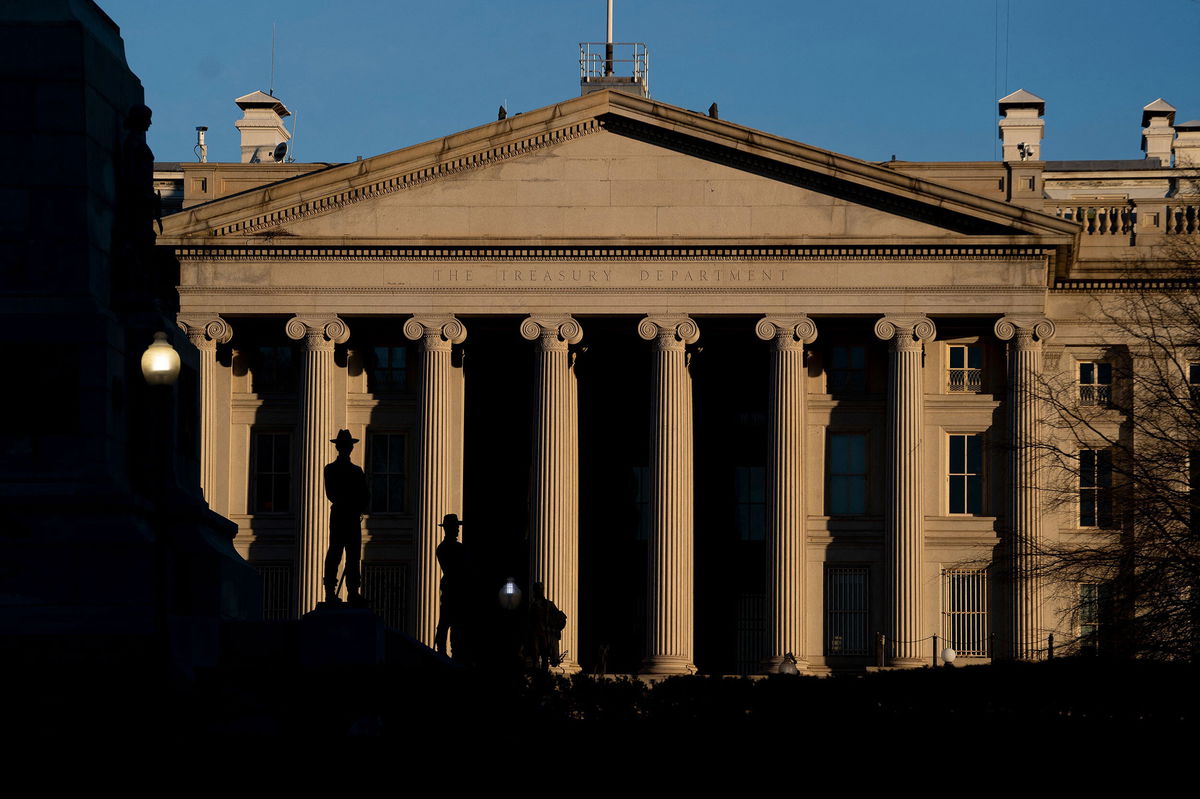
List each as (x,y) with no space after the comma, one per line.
(948,655)
(160,362)
(510,595)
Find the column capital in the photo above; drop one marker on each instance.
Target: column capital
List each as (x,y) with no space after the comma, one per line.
(205,332)
(1022,330)
(905,332)
(788,332)
(669,332)
(318,332)
(440,332)
(554,332)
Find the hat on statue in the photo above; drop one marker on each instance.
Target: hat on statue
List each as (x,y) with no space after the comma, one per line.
(450,520)
(343,437)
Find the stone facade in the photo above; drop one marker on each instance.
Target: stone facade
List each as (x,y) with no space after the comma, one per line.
(714,388)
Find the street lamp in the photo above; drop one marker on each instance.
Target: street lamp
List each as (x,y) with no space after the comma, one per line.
(948,655)
(160,362)
(510,595)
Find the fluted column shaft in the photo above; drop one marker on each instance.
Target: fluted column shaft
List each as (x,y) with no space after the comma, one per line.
(1025,337)
(786,517)
(205,335)
(438,431)
(904,534)
(669,608)
(319,335)
(554,513)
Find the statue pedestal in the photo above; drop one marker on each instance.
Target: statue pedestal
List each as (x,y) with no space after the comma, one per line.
(341,635)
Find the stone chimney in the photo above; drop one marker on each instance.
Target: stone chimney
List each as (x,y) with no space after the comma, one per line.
(261,126)
(1187,144)
(1022,125)
(1158,136)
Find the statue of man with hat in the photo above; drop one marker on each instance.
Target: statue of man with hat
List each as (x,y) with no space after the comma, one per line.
(346,487)
(452,557)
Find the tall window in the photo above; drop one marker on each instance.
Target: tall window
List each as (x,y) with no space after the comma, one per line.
(388,370)
(1194,380)
(273,370)
(278,594)
(966,474)
(965,372)
(846,610)
(641,502)
(1095,604)
(750,499)
(1095,488)
(387,459)
(847,372)
(1095,383)
(847,474)
(270,472)
(964,611)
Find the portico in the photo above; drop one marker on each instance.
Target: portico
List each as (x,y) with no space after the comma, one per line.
(570,308)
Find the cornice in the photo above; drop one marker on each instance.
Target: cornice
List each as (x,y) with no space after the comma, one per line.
(340,291)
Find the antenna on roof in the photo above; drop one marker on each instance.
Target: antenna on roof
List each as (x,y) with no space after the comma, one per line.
(271,91)
(608,43)
(295,121)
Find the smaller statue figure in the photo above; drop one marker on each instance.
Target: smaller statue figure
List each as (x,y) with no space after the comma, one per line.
(346,487)
(546,624)
(452,557)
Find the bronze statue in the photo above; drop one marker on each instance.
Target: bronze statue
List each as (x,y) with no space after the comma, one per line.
(546,623)
(346,487)
(452,557)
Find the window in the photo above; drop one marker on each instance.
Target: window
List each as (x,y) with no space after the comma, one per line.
(278,594)
(750,632)
(1095,606)
(270,472)
(1194,381)
(385,585)
(388,370)
(966,474)
(965,369)
(847,372)
(964,611)
(1095,383)
(273,370)
(641,502)
(387,459)
(1095,488)
(750,502)
(846,610)
(847,474)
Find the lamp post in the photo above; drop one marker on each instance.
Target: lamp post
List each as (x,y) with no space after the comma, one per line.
(160,362)
(510,595)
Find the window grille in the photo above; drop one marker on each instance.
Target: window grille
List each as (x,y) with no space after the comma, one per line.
(964,611)
(965,372)
(1095,604)
(751,630)
(1095,383)
(278,594)
(846,610)
(385,585)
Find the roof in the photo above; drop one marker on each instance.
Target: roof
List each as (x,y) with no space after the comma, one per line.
(1158,108)
(262,100)
(1109,165)
(1192,125)
(1023,99)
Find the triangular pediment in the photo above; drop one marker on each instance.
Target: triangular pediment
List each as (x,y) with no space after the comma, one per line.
(609,167)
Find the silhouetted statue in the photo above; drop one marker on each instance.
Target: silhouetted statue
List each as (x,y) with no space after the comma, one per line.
(346,487)
(546,623)
(139,207)
(452,557)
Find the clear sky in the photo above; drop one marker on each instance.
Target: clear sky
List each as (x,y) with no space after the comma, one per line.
(918,79)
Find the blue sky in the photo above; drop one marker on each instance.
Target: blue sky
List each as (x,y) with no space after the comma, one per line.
(917,79)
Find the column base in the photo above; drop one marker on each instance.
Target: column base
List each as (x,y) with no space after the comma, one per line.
(667,665)
(772,664)
(908,663)
(566,668)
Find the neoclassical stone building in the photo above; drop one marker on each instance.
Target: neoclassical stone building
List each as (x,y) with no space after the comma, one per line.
(727,395)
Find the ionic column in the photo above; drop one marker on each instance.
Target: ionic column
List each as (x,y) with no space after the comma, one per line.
(554,517)
(319,334)
(1024,337)
(904,532)
(669,611)
(205,334)
(438,433)
(785,487)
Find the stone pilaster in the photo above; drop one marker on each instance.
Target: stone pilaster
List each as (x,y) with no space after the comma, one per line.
(205,334)
(786,517)
(439,433)
(904,534)
(1024,337)
(669,608)
(554,511)
(319,334)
